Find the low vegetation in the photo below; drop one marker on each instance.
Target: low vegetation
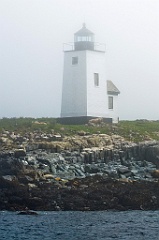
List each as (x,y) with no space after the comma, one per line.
(136,131)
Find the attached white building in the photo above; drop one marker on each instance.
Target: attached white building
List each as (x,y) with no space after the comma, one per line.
(86,94)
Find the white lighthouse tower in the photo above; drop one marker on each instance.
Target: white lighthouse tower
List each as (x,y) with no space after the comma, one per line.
(85,92)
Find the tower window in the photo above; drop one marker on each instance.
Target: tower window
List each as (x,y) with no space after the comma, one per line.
(110,102)
(74,60)
(96,79)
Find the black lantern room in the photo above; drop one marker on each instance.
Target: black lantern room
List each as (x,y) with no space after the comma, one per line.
(83,39)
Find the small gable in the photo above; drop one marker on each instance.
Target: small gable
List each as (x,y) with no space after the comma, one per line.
(111,88)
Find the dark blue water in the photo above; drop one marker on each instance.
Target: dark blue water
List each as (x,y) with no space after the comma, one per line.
(127,225)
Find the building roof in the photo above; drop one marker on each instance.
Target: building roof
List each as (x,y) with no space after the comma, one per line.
(84,31)
(111,88)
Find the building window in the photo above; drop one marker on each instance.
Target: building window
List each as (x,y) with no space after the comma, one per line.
(96,79)
(110,102)
(74,60)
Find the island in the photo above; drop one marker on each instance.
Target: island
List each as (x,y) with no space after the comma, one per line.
(46,166)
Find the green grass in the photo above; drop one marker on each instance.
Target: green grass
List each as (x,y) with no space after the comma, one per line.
(139,130)
(136,131)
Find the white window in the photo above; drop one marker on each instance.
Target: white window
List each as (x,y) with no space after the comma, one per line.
(96,79)
(84,38)
(79,39)
(74,60)
(110,102)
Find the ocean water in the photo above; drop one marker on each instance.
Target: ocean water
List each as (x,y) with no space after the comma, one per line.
(135,225)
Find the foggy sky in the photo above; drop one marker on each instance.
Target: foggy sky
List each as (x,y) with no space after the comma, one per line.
(32,33)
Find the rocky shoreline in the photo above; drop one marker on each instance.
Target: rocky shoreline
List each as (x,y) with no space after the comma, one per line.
(79,172)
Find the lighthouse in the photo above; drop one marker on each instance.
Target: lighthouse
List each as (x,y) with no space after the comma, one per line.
(86,93)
